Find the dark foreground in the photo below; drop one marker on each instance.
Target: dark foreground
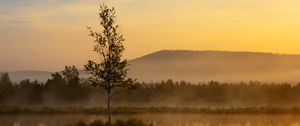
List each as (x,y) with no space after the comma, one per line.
(158,119)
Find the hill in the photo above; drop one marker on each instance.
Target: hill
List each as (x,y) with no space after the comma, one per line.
(196,66)
(17,76)
(41,76)
(199,66)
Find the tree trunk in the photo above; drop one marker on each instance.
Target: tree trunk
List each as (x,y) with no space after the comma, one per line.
(109,108)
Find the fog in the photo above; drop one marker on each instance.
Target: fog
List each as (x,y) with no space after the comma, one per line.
(201,66)
(168,93)
(240,79)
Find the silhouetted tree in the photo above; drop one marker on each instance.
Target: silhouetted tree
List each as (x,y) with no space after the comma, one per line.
(65,86)
(6,87)
(73,91)
(56,80)
(71,75)
(111,72)
(55,87)
(30,92)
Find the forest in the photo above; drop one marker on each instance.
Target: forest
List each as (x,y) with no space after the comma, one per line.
(65,88)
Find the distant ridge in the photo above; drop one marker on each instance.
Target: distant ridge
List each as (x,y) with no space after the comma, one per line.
(17,76)
(41,76)
(194,52)
(202,66)
(209,65)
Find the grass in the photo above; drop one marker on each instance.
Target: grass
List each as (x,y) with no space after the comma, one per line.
(131,122)
(143,110)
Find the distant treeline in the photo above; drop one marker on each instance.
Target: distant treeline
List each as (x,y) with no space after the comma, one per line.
(66,89)
(63,87)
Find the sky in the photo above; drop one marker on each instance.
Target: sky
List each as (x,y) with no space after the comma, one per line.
(49,34)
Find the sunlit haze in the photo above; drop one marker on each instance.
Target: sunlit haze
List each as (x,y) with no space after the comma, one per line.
(49,34)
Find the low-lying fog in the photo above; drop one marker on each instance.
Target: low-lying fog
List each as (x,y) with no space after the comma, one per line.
(202,66)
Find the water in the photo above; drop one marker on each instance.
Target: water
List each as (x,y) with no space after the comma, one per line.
(158,119)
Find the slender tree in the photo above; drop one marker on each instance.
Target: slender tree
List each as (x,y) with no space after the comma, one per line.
(111,72)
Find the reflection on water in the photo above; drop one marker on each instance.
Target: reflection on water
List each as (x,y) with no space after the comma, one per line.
(158,119)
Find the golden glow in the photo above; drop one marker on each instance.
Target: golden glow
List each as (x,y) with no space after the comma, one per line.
(58,31)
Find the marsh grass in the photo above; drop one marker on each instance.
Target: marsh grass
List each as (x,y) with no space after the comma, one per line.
(130,122)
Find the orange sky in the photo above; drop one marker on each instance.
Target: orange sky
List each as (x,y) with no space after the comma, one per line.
(48,34)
